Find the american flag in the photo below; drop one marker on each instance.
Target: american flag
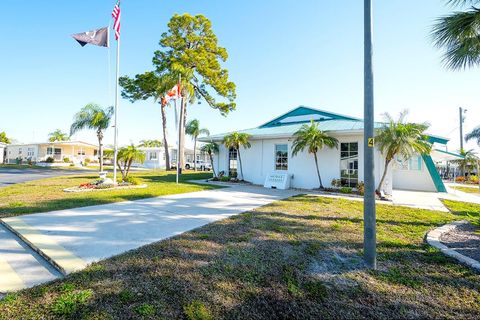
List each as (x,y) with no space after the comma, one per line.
(116,16)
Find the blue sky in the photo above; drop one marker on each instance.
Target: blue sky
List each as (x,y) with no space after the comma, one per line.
(283,53)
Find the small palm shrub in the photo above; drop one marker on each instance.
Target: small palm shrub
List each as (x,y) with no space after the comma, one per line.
(50,160)
(196,310)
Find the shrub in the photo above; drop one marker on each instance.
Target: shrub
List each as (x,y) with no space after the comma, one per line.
(336,183)
(361,188)
(196,310)
(69,303)
(460,179)
(18,160)
(66,160)
(72,165)
(145,310)
(473,179)
(50,160)
(131,180)
(104,186)
(345,190)
(86,161)
(225,178)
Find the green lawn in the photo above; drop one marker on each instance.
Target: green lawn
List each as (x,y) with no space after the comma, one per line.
(47,194)
(294,259)
(475,190)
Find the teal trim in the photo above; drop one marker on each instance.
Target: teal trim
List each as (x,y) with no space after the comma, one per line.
(303,111)
(433,139)
(437,180)
(450,153)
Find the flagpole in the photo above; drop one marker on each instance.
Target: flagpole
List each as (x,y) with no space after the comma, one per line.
(117,102)
(179,126)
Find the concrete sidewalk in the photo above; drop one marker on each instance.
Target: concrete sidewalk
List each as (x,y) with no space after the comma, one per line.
(76,237)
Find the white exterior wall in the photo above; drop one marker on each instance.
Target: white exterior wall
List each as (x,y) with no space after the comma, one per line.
(2,152)
(259,161)
(21,151)
(419,180)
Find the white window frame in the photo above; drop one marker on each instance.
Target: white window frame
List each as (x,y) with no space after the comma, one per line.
(275,157)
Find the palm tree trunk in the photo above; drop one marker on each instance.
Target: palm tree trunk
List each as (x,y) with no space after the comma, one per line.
(165,141)
(128,168)
(100,149)
(213,168)
(195,154)
(121,170)
(182,133)
(318,171)
(387,162)
(240,162)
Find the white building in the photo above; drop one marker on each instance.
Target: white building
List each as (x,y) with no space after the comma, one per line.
(61,152)
(271,145)
(2,152)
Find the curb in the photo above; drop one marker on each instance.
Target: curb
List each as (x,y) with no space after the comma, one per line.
(433,239)
(49,260)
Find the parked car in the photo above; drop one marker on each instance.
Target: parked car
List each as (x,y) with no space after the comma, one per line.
(201,165)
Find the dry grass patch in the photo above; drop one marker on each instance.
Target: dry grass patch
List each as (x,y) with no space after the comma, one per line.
(294,259)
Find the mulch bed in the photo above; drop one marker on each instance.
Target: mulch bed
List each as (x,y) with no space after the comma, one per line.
(465,239)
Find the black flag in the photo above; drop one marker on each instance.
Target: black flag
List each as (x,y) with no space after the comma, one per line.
(97,37)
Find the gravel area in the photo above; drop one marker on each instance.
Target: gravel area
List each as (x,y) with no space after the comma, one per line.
(465,239)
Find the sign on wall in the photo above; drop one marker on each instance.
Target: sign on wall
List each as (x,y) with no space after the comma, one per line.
(278,180)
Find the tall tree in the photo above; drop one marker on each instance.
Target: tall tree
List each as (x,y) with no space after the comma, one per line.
(190,49)
(236,140)
(193,129)
(211,148)
(150,144)
(4,138)
(310,137)
(93,117)
(458,34)
(398,137)
(474,135)
(468,163)
(150,85)
(58,135)
(126,157)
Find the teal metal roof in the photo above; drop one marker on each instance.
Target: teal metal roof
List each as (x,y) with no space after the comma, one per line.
(289,123)
(290,129)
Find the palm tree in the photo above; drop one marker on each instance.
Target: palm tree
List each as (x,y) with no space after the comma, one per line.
(310,137)
(236,140)
(397,137)
(58,135)
(210,149)
(150,144)
(4,138)
(92,116)
(468,162)
(126,156)
(458,34)
(193,129)
(475,134)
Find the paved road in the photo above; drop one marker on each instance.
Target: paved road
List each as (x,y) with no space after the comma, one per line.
(12,176)
(76,237)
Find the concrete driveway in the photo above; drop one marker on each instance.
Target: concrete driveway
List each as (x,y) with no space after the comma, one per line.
(71,239)
(10,176)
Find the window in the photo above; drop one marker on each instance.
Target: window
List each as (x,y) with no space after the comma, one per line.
(58,151)
(152,156)
(412,164)
(30,152)
(232,162)
(281,157)
(80,153)
(349,164)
